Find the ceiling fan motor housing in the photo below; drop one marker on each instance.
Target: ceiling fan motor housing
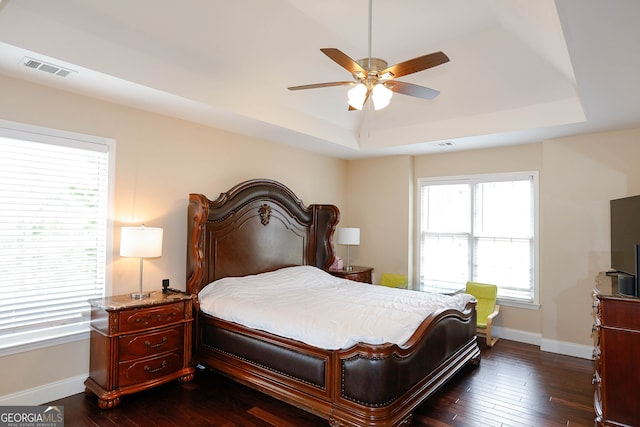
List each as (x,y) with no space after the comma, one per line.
(372,66)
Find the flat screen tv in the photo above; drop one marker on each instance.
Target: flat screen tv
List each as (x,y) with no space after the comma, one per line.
(625,234)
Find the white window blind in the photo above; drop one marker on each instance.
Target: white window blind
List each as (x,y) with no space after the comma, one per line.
(53,227)
(482,229)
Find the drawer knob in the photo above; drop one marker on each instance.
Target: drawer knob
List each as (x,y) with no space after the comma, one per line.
(160,344)
(149,369)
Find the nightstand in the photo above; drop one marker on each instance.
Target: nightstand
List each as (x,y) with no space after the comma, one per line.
(359,274)
(137,344)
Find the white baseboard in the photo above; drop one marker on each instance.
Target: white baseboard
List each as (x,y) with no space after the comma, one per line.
(567,348)
(551,346)
(45,393)
(517,335)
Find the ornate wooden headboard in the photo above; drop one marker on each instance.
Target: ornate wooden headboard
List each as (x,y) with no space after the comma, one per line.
(257,226)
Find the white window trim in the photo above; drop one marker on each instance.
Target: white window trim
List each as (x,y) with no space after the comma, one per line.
(535,304)
(58,340)
(34,133)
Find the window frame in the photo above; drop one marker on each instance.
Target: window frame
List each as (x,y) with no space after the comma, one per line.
(488,177)
(39,134)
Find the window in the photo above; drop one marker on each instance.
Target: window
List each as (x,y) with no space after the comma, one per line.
(54,227)
(480,228)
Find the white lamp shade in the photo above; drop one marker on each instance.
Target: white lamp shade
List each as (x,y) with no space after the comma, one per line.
(348,236)
(141,242)
(381,96)
(357,95)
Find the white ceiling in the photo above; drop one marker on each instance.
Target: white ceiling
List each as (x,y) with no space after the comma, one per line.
(521,71)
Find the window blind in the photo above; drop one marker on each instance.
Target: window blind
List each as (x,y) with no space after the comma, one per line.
(479,228)
(53,227)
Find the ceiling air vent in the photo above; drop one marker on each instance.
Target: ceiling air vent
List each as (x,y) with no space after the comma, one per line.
(45,67)
(443,144)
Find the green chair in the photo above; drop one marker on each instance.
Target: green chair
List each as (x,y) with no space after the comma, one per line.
(394,280)
(486,309)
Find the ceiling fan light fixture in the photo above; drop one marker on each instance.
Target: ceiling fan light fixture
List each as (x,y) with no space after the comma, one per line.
(381,96)
(357,95)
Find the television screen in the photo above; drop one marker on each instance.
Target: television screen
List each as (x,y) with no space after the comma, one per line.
(625,233)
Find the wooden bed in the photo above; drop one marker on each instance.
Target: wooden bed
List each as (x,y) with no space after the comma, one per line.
(261,225)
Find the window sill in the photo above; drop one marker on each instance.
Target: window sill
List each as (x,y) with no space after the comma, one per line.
(502,301)
(518,304)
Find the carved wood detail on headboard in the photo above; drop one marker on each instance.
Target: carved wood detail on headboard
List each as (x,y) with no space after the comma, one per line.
(258,225)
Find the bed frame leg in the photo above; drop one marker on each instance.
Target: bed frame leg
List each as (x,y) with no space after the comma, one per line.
(475,361)
(407,421)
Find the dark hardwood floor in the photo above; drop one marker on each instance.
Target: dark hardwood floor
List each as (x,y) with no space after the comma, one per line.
(515,385)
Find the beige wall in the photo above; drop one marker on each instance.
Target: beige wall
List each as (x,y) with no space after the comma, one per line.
(379,203)
(578,177)
(160,160)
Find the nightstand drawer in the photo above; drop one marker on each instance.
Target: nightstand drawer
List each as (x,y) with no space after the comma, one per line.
(136,320)
(143,345)
(140,371)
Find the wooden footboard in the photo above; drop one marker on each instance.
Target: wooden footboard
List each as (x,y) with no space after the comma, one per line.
(382,385)
(366,385)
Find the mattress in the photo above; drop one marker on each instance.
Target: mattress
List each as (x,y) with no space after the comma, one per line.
(307,304)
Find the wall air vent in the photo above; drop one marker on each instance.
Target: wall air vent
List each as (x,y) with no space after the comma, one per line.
(45,67)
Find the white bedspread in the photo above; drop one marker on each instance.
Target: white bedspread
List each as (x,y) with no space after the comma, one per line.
(309,305)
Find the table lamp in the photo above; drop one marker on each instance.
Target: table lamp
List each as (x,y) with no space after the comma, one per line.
(140,242)
(348,236)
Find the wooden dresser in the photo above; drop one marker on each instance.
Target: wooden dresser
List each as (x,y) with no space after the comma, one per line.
(357,274)
(616,355)
(138,344)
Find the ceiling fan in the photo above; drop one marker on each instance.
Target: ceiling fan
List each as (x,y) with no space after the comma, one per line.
(375,79)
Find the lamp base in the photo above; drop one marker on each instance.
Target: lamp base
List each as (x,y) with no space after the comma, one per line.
(348,268)
(140,295)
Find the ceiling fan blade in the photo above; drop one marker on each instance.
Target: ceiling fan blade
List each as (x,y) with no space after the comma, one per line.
(345,61)
(416,64)
(412,90)
(318,85)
